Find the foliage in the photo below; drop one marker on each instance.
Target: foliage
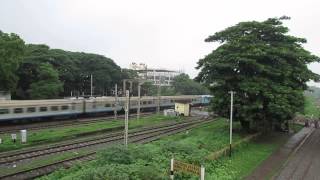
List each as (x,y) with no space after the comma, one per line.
(73,68)
(266,67)
(313,92)
(151,161)
(11,52)
(129,74)
(52,135)
(310,107)
(184,85)
(23,68)
(47,85)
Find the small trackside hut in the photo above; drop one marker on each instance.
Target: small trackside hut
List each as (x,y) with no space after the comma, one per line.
(182,107)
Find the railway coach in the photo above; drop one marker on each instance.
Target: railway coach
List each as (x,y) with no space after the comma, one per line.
(40,109)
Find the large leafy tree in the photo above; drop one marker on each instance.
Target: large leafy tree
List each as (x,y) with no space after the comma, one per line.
(104,71)
(11,53)
(184,85)
(266,67)
(73,69)
(47,84)
(37,77)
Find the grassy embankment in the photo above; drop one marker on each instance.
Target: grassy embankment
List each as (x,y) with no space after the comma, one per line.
(151,161)
(52,135)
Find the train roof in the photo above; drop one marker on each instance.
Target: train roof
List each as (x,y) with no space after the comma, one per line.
(36,102)
(74,100)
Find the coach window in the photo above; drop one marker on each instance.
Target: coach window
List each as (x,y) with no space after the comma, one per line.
(43,109)
(4,111)
(73,106)
(18,110)
(64,107)
(107,105)
(31,109)
(54,108)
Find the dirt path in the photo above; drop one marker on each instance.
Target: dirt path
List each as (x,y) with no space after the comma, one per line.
(305,163)
(275,162)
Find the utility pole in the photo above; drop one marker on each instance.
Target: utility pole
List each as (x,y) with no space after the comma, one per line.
(139,100)
(115,101)
(126,121)
(159,92)
(231,116)
(91,91)
(131,90)
(124,88)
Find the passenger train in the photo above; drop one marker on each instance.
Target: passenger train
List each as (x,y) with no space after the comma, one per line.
(12,110)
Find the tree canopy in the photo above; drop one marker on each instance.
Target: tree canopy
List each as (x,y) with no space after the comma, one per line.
(266,67)
(47,84)
(11,54)
(73,70)
(184,85)
(181,85)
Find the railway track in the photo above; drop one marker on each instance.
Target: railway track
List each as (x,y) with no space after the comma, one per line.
(63,123)
(138,136)
(111,137)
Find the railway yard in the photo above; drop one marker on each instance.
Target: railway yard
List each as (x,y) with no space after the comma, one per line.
(74,147)
(70,143)
(40,157)
(83,149)
(76,142)
(105,90)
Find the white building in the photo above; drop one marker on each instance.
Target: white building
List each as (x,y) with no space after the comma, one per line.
(162,77)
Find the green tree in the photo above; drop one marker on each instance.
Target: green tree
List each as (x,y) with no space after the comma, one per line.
(11,53)
(266,67)
(74,70)
(182,84)
(32,71)
(105,72)
(47,84)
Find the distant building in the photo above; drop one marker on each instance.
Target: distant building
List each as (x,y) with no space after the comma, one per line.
(162,77)
(4,95)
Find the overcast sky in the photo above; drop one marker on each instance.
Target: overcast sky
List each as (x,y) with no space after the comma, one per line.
(164,33)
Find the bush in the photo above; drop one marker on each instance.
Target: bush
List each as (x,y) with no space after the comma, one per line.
(115,154)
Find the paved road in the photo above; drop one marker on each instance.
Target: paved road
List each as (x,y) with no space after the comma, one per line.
(305,163)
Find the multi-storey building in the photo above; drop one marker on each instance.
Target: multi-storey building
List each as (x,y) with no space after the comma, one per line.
(162,77)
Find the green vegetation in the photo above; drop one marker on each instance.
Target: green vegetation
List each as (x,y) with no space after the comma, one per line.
(70,132)
(182,85)
(11,53)
(47,84)
(245,159)
(266,67)
(151,161)
(41,162)
(313,92)
(296,127)
(37,72)
(52,73)
(310,107)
